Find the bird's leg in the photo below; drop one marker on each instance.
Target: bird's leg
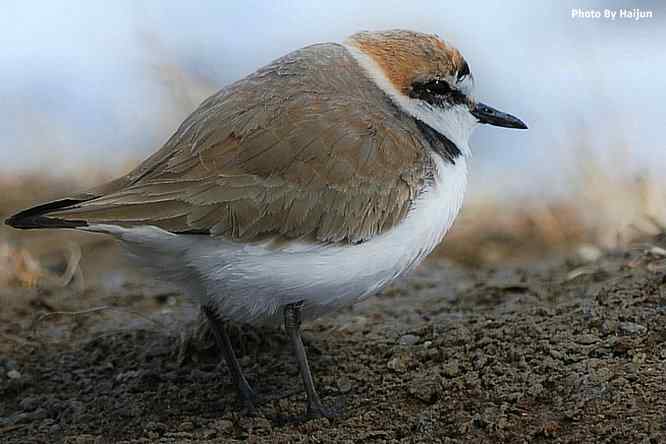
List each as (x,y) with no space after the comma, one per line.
(245,392)
(292,325)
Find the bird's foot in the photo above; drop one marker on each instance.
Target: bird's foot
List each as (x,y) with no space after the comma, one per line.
(248,409)
(248,398)
(317,410)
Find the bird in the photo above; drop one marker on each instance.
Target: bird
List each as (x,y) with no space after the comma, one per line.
(307,186)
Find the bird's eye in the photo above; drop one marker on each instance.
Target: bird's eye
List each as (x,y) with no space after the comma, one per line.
(436,92)
(437,86)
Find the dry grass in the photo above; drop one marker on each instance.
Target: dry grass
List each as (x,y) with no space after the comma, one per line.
(601,210)
(605,212)
(606,208)
(22,253)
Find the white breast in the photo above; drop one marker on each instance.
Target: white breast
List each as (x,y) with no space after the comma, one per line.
(249,283)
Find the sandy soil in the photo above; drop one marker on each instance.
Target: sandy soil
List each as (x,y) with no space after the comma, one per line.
(551,351)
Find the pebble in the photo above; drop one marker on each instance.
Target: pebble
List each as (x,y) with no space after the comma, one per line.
(222,425)
(122,377)
(631,328)
(29,404)
(400,363)
(262,423)
(186,426)
(587,339)
(13,374)
(589,253)
(8,364)
(84,438)
(535,390)
(408,340)
(156,427)
(451,369)
(208,433)
(314,425)
(425,390)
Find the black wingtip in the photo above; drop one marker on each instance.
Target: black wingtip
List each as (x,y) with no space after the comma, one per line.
(12,221)
(35,217)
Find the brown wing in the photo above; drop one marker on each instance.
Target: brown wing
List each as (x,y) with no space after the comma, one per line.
(302,148)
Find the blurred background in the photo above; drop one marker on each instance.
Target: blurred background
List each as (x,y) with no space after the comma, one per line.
(90,88)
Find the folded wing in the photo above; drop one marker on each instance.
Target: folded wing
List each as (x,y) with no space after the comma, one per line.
(301,149)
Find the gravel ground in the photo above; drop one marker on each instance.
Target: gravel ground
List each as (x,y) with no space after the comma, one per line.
(552,351)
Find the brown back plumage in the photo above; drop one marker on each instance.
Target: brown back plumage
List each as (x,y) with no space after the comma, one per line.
(307,147)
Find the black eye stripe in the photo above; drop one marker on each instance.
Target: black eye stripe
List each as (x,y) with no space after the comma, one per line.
(464,71)
(438,86)
(435,86)
(436,92)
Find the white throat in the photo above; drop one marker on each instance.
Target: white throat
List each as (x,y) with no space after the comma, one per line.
(456,123)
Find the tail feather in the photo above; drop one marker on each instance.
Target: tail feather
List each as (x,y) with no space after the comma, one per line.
(37,217)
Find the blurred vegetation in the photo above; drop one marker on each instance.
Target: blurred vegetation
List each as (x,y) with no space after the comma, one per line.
(603,211)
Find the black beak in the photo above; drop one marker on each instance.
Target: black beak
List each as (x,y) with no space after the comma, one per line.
(492,116)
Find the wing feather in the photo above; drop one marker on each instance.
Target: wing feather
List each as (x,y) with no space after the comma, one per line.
(304,148)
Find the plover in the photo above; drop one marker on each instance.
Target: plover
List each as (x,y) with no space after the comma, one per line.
(306,186)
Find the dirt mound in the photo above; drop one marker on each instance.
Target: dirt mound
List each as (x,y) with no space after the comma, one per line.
(556,351)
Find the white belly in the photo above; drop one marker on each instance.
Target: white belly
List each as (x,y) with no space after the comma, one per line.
(250,283)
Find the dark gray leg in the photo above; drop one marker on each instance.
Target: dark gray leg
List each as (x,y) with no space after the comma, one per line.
(292,324)
(245,392)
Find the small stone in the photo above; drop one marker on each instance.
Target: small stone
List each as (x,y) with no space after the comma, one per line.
(122,377)
(631,328)
(156,427)
(550,429)
(425,390)
(16,418)
(125,412)
(400,363)
(479,360)
(14,374)
(535,390)
(29,404)
(208,433)
(587,339)
(254,424)
(7,364)
(47,422)
(619,382)
(186,426)
(589,253)
(223,425)
(408,340)
(425,424)
(84,438)
(621,345)
(314,425)
(262,423)
(451,369)
(657,251)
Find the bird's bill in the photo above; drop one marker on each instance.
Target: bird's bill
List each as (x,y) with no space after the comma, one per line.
(488,114)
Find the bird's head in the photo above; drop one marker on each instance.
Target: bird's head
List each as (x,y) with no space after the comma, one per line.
(428,79)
